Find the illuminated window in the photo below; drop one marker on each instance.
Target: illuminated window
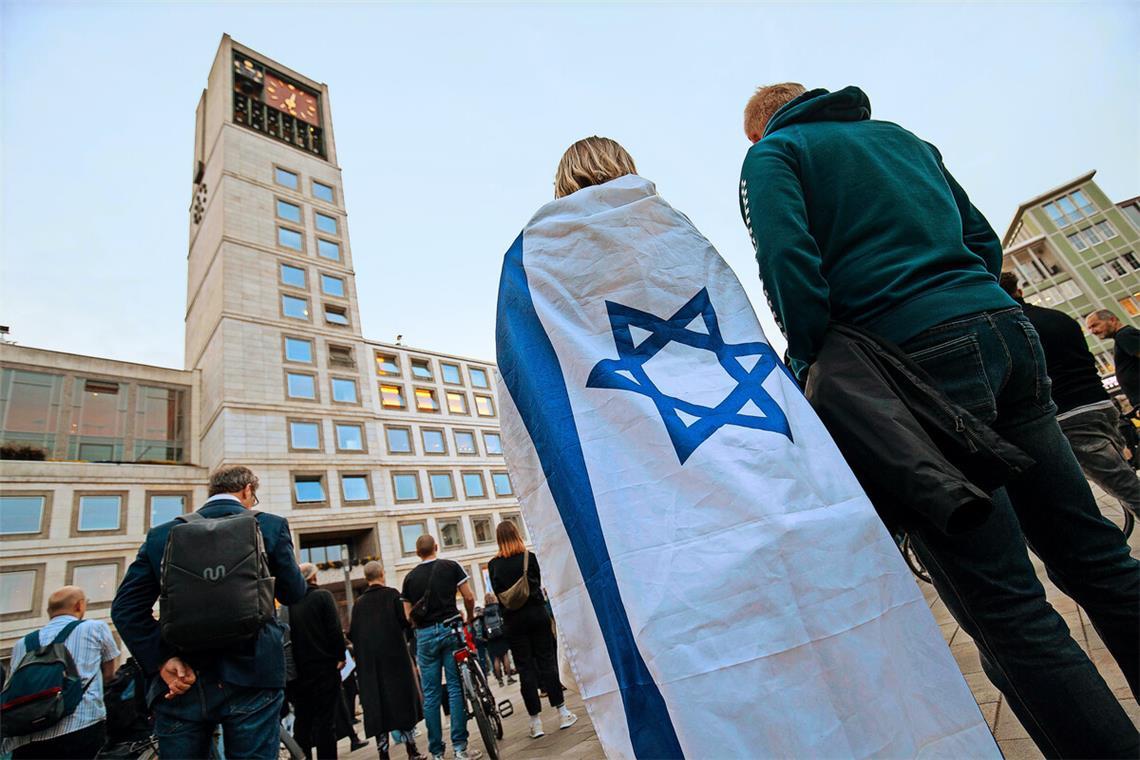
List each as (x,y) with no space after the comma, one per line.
(289,238)
(326,223)
(426,401)
(293,276)
(387,365)
(484,407)
(479,378)
(1130,305)
(451,373)
(392,396)
(456,402)
(288,211)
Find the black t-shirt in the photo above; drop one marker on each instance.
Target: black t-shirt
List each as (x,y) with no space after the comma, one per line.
(441,605)
(1126,356)
(1071,367)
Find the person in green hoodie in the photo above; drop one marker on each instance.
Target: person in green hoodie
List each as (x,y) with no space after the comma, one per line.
(857,221)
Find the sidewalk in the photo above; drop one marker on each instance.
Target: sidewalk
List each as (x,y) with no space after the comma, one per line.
(581,743)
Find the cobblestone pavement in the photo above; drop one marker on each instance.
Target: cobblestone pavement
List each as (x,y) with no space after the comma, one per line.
(581,743)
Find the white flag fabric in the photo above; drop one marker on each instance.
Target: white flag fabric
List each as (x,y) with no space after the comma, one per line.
(721,584)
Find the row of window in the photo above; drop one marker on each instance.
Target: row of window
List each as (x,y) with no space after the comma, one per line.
(1097,233)
(292,180)
(1118,267)
(1069,208)
(331,285)
(307,435)
(299,350)
(292,212)
(451,533)
(296,307)
(21,586)
(302,386)
(294,240)
(427,400)
(388,365)
(1053,297)
(28,515)
(310,488)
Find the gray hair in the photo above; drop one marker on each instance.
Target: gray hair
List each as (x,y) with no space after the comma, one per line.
(231,478)
(308,570)
(1105,314)
(373,571)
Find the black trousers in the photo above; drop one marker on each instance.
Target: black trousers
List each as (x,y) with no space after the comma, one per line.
(315,698)
(83,744)
(536,658)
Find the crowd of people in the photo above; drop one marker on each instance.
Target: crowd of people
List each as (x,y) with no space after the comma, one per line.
(912,263)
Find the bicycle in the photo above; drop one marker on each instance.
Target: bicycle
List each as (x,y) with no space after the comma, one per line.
(480,701)
(912,560)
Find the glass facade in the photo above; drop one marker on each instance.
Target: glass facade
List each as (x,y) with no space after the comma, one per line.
(160,434)
(30,408)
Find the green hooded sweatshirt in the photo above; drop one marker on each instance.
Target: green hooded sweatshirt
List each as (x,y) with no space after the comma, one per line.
(858,221)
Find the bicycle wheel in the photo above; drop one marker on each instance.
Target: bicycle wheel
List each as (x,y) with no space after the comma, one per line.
(1128,523)
(290,749)
(478,706)
(912,560)
(483,689)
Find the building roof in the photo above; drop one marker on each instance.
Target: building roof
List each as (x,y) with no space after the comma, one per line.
(1026,205)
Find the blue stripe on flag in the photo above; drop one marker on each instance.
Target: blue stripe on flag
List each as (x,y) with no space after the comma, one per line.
(539,392)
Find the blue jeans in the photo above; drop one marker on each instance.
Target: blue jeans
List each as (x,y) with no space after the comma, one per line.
(250,720)
(435,649)
(993,365)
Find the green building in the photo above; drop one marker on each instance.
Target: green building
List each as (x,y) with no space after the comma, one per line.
(1075,250)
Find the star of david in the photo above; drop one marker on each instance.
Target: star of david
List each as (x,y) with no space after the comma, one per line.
(639,336)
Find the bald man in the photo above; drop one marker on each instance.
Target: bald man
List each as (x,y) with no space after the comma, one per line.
(80,734)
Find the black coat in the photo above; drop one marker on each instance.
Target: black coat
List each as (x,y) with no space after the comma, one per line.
(918,455)
(389,693)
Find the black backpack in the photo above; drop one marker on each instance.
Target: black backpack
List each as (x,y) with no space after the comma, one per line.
(128,719)
(216,586)
(45,686)
(493,621)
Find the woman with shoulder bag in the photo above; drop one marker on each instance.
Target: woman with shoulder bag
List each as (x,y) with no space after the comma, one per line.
(517,582)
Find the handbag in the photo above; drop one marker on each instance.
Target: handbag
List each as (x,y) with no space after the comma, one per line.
(519,592)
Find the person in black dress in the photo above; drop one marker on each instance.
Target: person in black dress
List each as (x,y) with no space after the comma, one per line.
(528,626)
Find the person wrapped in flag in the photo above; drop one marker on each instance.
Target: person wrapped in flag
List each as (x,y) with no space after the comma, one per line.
(723,585)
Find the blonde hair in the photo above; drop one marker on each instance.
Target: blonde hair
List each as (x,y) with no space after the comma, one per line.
(510,541)
(591,161)
(765,102)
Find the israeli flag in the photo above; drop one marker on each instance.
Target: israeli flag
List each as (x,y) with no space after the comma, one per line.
(721,584)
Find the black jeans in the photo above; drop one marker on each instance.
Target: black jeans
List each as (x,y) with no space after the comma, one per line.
(993,365)
(315,698)
(83,744)
(532,644)
(1099,447)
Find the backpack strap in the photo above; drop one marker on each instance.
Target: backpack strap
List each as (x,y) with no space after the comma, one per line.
(31,642)
(67,629)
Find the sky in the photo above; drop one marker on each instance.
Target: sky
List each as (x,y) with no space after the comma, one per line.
(450,119)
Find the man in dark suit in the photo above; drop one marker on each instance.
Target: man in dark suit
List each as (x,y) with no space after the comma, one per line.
(240,687)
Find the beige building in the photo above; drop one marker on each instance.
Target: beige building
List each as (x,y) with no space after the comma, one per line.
(362,445)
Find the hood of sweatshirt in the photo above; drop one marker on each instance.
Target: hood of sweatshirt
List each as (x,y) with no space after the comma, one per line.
(848,104)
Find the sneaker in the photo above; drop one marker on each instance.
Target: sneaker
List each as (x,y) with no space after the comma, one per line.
(468,754)
(568,718)
(536,727)
(437,757)
(511,679)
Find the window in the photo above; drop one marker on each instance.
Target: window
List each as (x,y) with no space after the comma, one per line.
(1090,236)
(1117,266)
(457,402)
(298,385)
(344,390)
(298,350)
(442,487)
(98,579)
(164,507)
(355,488)
(328,249)
(99,422)
(451,373)
(399,440)
(1055,214)
(336,315)
(288,238)
(159,424)
(323,192)
(484,406)
(326,223)
(392,396)
(285,178)
(332,286)
(406,486)
(451,534)
(295,308)
(341,356)
(349,436)
(492,443)
(1132,211)
(20,591)
(1102,273)
(309,489)
(481,528)
(516,519)
(30,405)
(22,514)
(102,512)
(304,436)
(465,442)
(473,485)
(325,554)
(1083,203)
(478,378)
(433,441)
(292,276)
(1130,305)
(409,532)
(387,365)
(1077,241)
(426,401)
(288,211)
(1069,290)
(1130,257)
(1105,229)
(421,369)
(502,483)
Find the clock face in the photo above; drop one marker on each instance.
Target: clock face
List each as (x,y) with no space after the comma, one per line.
(292,100)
